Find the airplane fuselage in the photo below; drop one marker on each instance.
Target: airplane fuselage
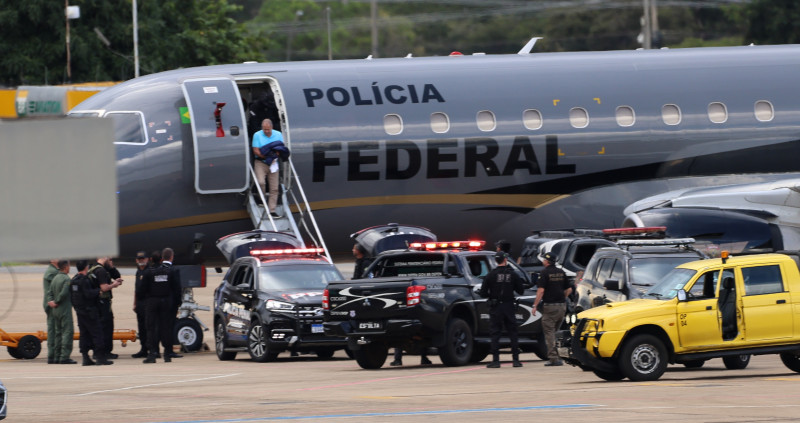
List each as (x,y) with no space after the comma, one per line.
(468,146)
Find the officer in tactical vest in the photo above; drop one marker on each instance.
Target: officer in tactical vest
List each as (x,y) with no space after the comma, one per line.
(107,278)
(554,288)
(499,286)
(86,301)
(158,289)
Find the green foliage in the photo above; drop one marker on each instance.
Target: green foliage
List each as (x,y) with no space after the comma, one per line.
(172,34)
(773,22)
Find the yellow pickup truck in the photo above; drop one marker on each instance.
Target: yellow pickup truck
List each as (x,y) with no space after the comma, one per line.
(725,307)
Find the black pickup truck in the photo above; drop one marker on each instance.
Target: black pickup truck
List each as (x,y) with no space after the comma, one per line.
(423,297)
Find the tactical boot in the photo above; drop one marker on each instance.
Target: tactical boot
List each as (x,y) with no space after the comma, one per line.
(67,361)
(396,363)
(103,360)
(517,363)
(493,365)
(87,361)
(141,354)
(150,359)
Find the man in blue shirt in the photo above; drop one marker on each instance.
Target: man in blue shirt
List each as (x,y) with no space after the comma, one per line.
(268,147)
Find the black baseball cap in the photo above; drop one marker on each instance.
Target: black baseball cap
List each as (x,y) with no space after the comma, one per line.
(141,255)
(550,257)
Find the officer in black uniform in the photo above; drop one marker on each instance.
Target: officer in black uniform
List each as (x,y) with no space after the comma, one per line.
(157,287)
(499,286)
(142,263)
(362,261)
(86,302)
(554,288)
(107,277)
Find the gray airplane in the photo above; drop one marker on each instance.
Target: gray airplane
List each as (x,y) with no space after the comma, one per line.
(471,146)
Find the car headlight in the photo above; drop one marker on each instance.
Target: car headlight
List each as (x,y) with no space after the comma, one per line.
(573,318)
(279,305)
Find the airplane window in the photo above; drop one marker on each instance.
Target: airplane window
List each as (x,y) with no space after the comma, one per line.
(671,114)
(532,119)
(578,117)
(717,113)
(128,127)
(764,111)
(486,121)
(393,124)
(625,116)
(440,123)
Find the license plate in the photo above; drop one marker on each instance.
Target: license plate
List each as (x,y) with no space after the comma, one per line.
(369,325)
(317,328)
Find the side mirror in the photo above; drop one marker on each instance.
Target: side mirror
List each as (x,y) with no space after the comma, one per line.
(244,288)
(613,284)
(682,295)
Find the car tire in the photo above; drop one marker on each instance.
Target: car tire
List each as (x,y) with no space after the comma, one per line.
(479,352)
(540,349)
(371,356)
(613,376)
(29,347)
(643,358)
(257,344)
(694,364)
(349,353)
(325,353)
(189,334)
(736,362)
(791,360)
(221,341)
(458,343)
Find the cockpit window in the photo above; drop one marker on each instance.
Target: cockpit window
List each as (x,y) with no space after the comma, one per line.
(128,127)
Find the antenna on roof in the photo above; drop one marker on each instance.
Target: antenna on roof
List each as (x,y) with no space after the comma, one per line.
(529,46)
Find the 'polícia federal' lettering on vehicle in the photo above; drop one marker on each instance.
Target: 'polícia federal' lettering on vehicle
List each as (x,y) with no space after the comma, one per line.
(435,159)
(374,95)
(236,310)
(302,294)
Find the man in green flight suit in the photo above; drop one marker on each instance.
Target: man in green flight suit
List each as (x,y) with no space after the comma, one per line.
(48,303)
(62,315)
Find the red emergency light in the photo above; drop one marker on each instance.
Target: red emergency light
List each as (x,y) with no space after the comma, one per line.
(447,245)
(288,252)
(635,231)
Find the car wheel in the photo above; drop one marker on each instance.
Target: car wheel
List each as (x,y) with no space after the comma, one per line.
(325,353)
(643,358)
(736,362)
(694,364)
(189,334)
(29,347)
(371,356)
(257,344)
(479,352)
(540,349)
(349,353)
(457,349)
(791,360)
(221,341)
(612,376)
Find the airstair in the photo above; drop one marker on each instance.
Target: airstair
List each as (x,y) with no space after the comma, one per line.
(295,213)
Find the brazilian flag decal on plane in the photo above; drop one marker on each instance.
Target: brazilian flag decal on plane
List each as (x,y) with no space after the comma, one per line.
(184,111)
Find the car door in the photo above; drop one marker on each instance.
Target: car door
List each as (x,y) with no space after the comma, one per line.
(698,322)
(237,297)
(766,304)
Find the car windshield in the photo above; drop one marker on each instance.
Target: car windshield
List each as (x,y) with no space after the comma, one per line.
(297,277)
(668,287)
(647,271)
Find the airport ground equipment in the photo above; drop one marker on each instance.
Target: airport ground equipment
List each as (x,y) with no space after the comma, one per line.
(28,345)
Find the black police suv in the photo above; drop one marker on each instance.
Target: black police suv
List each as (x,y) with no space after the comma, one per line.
(271,301)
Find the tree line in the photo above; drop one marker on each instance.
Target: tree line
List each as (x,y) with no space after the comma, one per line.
(183,33)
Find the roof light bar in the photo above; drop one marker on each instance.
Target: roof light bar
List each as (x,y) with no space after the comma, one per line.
(635,231)
(288,251)
(652,242)
(447,245)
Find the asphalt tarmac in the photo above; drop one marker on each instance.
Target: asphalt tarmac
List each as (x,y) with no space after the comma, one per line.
(200,388)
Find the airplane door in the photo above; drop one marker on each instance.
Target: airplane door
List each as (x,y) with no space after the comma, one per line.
(219,132)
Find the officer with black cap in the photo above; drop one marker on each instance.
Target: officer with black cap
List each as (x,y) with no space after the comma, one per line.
(139,303)
(554,288)
(499,286)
